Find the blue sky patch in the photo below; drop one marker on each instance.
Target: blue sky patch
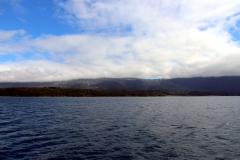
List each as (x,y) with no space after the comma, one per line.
(235,32)
(6,58)
(37,19)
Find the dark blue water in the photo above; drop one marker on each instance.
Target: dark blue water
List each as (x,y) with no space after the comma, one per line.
(120,128)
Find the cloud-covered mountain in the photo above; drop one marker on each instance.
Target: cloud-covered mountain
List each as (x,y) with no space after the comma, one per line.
(197,83)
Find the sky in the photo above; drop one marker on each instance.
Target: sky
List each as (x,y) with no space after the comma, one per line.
(51,40)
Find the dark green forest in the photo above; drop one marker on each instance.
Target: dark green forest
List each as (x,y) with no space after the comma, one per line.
(70,92)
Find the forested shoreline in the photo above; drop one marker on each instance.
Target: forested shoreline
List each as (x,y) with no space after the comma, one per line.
(71,92)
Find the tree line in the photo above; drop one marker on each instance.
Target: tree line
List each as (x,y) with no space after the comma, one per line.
(71,92)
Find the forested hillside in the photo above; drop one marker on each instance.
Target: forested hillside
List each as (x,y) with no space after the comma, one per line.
(135,84)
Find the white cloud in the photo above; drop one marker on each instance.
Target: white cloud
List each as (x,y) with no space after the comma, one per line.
(167,39)
(12,42)
(148,16)
(6,35)
(17,7)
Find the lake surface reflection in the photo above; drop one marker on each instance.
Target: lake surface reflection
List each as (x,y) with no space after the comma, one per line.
(120,128)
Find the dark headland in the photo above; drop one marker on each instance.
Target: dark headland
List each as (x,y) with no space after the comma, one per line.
(197,86)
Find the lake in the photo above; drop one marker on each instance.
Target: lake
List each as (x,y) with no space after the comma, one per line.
(120,128)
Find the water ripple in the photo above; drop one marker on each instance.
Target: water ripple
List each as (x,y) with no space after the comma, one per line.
(120,128)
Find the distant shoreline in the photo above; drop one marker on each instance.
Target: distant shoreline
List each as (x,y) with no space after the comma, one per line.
(73,92)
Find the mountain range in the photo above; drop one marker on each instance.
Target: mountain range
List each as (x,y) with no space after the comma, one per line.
(227,83)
